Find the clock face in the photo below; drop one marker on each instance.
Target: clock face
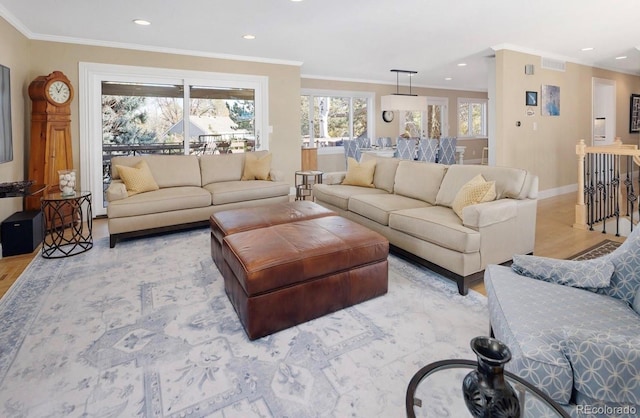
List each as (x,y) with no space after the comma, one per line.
(59,92)
(387,116)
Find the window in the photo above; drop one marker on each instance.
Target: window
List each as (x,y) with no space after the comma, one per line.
(143,118)
(329,117)
(139,110)
(431,124)
(472,118)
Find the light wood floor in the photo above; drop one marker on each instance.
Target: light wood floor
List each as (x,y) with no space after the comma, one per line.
(555,237)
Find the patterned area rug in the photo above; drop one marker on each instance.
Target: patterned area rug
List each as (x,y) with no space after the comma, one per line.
(603,248)
(146,330)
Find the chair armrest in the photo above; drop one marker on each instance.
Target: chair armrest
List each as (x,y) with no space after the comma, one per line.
(605,365)
(584,274)
(116,191)
(276,175)
(489,213)
(334,177)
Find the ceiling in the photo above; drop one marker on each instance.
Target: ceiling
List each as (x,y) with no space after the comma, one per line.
(351,39)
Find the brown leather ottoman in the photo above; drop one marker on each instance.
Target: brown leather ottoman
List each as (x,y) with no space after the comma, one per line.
(280,276)
(228,222)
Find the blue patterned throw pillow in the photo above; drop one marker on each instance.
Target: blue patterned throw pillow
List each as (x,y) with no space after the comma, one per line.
(636,301)
(589,274)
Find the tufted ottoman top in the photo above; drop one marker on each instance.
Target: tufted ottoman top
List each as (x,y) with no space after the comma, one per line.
(300,251)
(237,220)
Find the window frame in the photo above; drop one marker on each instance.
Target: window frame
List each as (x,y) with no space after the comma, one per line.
(91,76)
(371,111)
(431,101)
(469,102)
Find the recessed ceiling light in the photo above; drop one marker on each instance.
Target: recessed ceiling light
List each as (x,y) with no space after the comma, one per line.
(249,36)
(462,64)
(296,1)
(587,49)
(622,57)
(141,22)
(448,78)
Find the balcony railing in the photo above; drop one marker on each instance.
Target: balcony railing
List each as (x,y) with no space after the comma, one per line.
(606,191)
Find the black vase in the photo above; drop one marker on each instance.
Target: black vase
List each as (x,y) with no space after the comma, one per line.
(486,393)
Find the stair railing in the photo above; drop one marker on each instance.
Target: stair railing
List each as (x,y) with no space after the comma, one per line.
(605,184)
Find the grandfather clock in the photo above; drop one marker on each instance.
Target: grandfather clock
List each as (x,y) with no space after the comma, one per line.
(50,149)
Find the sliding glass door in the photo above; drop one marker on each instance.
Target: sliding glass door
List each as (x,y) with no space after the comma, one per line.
(136,111)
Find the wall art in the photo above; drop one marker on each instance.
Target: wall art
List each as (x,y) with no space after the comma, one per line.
(550,100)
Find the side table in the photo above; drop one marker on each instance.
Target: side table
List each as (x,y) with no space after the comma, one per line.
(64,229)
(436,390)
(305,181)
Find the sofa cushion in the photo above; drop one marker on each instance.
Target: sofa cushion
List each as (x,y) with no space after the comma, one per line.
(240,191)
(162,200)
(167,170)
(221,167)
(477,190)
(256,167)
(385,175)
(636,301)
(590,274)
(509,181)
(378,206)
(338,194)
(419,180)
(438,225)
(137,179)
(359,174)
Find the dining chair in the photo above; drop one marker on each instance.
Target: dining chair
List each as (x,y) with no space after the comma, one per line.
(447,150)
(363,142)
(428,150)
(406,149)
(351,149)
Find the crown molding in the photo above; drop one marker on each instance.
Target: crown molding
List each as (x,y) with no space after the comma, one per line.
(16,23)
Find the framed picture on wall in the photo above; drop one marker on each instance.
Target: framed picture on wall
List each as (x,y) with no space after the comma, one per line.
(531,98)
(550,100)
(634,114)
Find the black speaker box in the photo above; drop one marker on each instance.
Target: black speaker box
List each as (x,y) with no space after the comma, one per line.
(21,233)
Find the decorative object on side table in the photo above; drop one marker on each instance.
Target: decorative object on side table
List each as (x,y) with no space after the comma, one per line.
(15,188)
(67,182)
(486,392)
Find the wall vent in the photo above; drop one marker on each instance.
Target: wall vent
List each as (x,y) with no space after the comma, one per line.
(553,64)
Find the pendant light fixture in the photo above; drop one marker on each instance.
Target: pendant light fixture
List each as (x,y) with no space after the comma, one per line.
(403,101)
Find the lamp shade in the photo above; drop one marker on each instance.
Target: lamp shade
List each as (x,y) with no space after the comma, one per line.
(403,102)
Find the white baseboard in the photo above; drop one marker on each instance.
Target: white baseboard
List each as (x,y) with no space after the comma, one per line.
(558,191)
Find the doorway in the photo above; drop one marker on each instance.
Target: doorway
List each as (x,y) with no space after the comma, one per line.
(603,127)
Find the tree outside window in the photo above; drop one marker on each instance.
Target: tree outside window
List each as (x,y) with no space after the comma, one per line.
(472,118)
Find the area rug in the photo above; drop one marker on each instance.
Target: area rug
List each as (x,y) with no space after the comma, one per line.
(602,248)
(146,330)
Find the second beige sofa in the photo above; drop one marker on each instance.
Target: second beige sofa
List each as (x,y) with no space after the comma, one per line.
(411,205)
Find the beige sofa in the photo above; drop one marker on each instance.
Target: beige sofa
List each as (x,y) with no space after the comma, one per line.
(191,189)
(411,205)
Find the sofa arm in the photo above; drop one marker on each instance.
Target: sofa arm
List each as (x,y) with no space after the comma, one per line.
(116,191)
(605,365)
(489,213)
(276,175)
(334,177)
